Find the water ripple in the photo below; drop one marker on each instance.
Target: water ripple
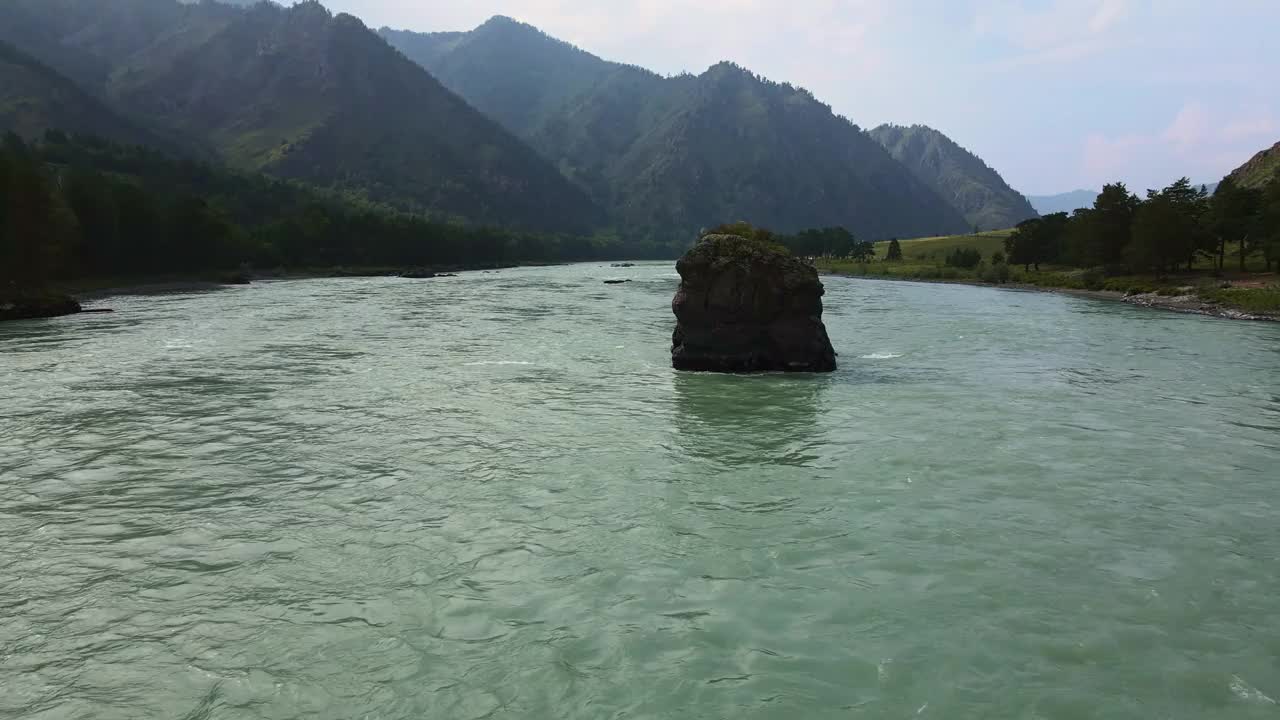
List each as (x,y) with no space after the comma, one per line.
(491,498)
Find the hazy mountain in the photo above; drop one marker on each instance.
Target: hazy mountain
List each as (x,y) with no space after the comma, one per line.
(1069,202)
(959,176)
(35,98)
(672,155)
(737,147)
(239,3)
(1066,202)
(303,94)
(1260,169)
(510,71)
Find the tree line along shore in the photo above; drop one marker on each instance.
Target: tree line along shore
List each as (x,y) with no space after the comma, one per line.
(78,212)
(1179,247)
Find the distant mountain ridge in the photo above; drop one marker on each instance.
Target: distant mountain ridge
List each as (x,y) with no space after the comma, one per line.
(300,93)
(519,129)
(1066,202)
(1069,202)
(959,176)
(677,154)
(540,73)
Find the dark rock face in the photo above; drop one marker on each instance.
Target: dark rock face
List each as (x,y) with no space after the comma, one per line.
(30,306)
(747,307)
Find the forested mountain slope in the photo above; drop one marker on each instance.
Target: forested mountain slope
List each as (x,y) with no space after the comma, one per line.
(671,155)
(34,99)
(301,93)
(1260,169)
(959,176)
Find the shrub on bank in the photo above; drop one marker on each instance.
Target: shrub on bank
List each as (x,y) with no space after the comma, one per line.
(1257,300)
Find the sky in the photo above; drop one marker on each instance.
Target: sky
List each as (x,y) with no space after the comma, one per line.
(1054,94)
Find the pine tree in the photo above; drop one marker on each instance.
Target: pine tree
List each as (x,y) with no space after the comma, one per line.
(1112,220)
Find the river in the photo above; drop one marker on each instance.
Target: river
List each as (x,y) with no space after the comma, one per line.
(490,497)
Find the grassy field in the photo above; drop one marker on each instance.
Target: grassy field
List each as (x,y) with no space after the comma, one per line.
(924,259)
(935,249)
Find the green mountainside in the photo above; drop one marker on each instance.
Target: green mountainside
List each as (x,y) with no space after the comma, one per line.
(525,75)
(540,134)
(299,93)
(34,99)
(1260,168)
(959,176)
(737,146)
(673,155)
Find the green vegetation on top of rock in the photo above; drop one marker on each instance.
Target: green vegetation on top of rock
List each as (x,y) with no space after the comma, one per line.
(960,177)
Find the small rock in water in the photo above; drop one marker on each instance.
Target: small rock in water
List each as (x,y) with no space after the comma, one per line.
(419,275)
(748,306)
(615,282)
(623,265)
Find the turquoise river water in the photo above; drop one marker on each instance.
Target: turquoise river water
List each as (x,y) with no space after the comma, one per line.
(490,497)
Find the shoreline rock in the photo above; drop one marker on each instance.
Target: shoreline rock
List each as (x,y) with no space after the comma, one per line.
(32,307)
(1193,305)
(744,306)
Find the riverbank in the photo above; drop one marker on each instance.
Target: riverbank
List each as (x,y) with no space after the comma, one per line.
(69,297)
(1251,302)
(97,288)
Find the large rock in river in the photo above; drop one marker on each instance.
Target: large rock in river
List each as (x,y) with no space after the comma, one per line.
(746,306)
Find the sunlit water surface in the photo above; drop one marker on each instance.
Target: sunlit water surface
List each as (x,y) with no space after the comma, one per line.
(490,497)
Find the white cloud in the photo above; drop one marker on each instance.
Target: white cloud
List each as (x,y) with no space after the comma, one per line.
(1190,128)
(1063,31)
(1109,12)
(1199,142)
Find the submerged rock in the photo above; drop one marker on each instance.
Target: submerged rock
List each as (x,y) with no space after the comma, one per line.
(746,306)
(616,282)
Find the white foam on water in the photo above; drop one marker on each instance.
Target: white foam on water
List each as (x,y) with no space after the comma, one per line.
(880,356)
(1245,691)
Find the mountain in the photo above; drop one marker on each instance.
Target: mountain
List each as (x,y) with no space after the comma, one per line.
(1260,169)
(959,176)
(738,147)
(300,93)
(1067,202)
(510,71)
(90,41)
(35,98)
(669,156)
